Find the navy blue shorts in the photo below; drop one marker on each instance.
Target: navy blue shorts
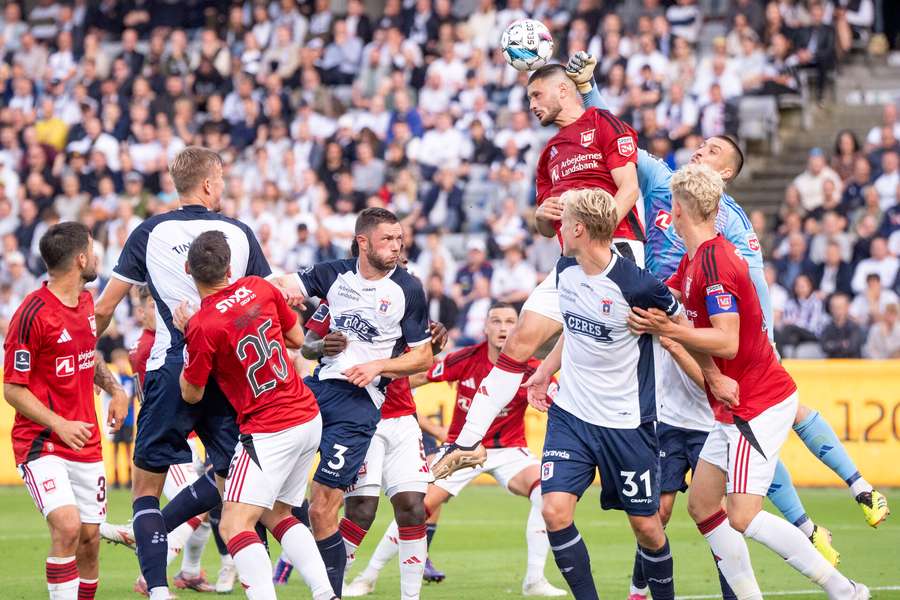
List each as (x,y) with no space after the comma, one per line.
(679,451)
(429,444)
(165,420)
(628,460)
(349,419)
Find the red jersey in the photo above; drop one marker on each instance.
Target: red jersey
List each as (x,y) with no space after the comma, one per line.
(398,398)
(583,155)
(717,281)
(139,354)
(49,348)
(468,367)
(237,336)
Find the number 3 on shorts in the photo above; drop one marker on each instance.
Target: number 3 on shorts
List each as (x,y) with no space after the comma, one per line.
(631,488)
(337,462)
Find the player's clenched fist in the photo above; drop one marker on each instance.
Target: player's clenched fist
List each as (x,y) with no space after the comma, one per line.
(334,343)
(550,209)
(182,315)
(580,70)
(74,434)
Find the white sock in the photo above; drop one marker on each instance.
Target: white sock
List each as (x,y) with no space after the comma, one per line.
(789,542)
(536,538)
(807,527)
(300,547)
(413,554)
(859,486)
(353,536)
(386,550)
(733,557)
(62,577)
(254,570)
(179,537)
(501,387)
(193,550)
(159,593)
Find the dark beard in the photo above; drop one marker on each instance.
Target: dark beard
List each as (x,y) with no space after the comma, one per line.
(88,276)
(378,263)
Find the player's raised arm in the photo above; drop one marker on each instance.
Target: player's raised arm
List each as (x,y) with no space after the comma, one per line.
(580,70)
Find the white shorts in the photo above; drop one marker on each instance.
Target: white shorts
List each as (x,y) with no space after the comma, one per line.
(679,401)
(180,476)
(270,467)
(544,299)
(395,460)
(53,482)
(747,470)
(502,464)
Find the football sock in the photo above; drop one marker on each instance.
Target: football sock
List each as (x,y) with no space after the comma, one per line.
(334,555)
(263,534)
(727,592)
(821,440)
(353,536)
(495,392)
(253,566)
(150,539)
(302,512)
(386,549)
(536,536)
(638,581)
(193,550)
(298,544)
(573,561)
(430,530)
(784,496)
(413,553)
(195,499)
(215,515)
(62,577)
(87,588)
(659,571)
(790,543)
(178,538)
(730,551)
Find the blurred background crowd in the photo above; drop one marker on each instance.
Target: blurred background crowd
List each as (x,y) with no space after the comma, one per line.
(322,108)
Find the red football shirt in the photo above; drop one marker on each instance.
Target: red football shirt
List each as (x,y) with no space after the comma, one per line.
(717,281)
(139,354)
(583,155)
(468,367)
(398,398)
(237,337)
(49,348)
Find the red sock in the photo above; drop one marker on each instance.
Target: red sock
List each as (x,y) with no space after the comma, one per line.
(87,588)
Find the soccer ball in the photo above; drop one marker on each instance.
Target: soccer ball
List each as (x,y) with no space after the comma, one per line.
(527,45)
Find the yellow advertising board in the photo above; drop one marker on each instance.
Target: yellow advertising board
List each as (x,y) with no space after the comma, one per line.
(861,400)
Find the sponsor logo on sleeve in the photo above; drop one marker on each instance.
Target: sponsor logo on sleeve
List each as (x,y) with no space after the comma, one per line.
(715,289)
(22,360)
(625,145)
(753,242)
(321,313)
(93,323)
(438,369)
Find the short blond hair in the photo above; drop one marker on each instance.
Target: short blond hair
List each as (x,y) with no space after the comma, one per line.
(595,209)
(191,166)
(698,188)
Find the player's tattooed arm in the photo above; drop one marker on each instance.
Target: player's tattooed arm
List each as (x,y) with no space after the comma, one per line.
(74,434)
(109,383)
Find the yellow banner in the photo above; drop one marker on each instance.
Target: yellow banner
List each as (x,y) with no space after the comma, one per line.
(860,399)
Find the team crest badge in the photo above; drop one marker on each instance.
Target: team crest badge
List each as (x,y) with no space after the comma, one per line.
(626,145)
(724,301)
(93,323)
(383,305)
(553,152)
(49,485)
(606,306)
(587,137)
(663,220)
(546,471)
(753,242)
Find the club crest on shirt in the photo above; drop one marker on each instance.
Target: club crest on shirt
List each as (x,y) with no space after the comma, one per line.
(93,323)
(22,360)
(383,305)
(625,145)
(587,137)
(606,306)
(553,152)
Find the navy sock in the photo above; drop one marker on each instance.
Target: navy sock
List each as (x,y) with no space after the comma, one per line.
(334,555)
(430,529)
(637,572)
(574,563)
(301,513)
(215,516)
(199,497)
(727,592)
(150,538)
(263,535)
(658,571)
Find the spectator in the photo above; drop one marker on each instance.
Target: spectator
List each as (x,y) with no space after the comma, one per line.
(717,117)
(508,228)
(513,278)
(341,59)
(846,154)
(842,338)
(646,54)
(869,305)
(795,262)
(883,341)
(17,276)
(476,265)
(470,328)
(833,226)
(368,170)
(442,207)
(440,147)
(875,139)
(685,19)
(816,46)
(880,263)
(853,196)
(886,183)
(835,274)
(811,182)
(804,317)
(441,307)
(677,114)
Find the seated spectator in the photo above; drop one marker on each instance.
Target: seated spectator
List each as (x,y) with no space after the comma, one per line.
(442,146)
(442,206)
(874,138)
(435,257)
(871,207)
(842,338)
(810,183)
(880,263)
(777,294)
(846,152)
(833,226)
(803,319)
(481,149)
(470,326)
(834,274)
(751,63)
(853,197)
(513,278)
(886,183)
(883,341)
(677,114)
(646,54)
(615,92)
(866,231)
(795,262)
(16,275)
(718,73)
(868,306)
(342,57)
(508,228)
(891,220)
(889,143)
(476,265)
(717,117)
(685,19)
(368,170)
(441,307)
(817,46)
(779,74)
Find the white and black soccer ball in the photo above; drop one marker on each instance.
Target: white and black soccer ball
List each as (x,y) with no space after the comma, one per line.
(527,44)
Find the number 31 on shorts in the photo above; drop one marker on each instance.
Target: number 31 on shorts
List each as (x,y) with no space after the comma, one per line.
(630,487)
(337,462)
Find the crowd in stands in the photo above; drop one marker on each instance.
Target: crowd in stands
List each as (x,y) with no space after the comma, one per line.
(319,113)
